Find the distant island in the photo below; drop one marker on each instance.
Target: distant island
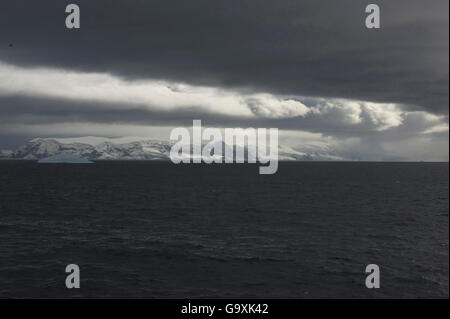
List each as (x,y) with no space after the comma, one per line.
(139,148)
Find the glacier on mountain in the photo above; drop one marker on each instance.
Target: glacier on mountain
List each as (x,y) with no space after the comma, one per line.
(64,158)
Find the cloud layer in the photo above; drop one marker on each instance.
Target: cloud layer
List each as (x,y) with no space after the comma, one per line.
(307,48)
(306,67)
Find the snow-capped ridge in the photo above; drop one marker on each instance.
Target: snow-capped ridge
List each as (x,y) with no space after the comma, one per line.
(136,148)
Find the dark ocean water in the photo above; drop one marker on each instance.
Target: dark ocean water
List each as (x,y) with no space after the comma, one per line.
(158,230)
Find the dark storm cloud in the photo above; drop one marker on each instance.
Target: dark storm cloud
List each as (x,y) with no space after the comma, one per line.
(315,48)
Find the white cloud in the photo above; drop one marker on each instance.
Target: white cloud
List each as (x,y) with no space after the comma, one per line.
(440,128)
(151,94)
(114,92)
(349,110)
(384,116)
(268,106)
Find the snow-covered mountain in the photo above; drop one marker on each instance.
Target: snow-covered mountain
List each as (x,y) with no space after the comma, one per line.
(95,148)
(5,153)
(138,150)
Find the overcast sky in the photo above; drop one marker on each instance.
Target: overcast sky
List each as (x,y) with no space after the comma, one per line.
(310,68)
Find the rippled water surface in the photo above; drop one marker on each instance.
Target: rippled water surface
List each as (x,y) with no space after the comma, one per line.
(157,230)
